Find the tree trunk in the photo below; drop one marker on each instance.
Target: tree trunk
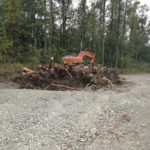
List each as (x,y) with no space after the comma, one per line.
(100,29)
(45,30)
(63,24)
(35,43)
(64,9)
(122,56)
(123,36)
(136,58)
(64,33)
(11,28)
(117,53)
(118,32)
(83,22)
(111,28)
(81,45)
(103,32)
(50,25)
(33,29)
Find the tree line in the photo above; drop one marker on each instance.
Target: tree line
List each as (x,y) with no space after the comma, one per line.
(117,31)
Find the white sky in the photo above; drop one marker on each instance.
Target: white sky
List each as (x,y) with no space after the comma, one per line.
(147,2)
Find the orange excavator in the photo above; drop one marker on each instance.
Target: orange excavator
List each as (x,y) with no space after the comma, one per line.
(79,58)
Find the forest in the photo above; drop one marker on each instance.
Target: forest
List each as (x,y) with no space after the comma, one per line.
(117,31)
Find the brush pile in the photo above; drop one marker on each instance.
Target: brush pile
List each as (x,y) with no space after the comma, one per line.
(67,77)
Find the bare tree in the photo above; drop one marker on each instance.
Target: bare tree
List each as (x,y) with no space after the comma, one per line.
(50,25)
(118,32)
(123,35)
(110,32)
(65,4)
(83,22)
(103,31)
(45,29)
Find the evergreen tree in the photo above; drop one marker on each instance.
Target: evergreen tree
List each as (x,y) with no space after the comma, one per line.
(117,31)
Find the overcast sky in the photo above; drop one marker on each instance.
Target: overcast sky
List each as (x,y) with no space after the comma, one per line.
(142,2)
(147,2)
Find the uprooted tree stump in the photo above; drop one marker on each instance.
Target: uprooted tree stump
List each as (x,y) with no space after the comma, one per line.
(67,77)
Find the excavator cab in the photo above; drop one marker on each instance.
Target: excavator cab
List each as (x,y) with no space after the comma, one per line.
(80,58)
(86,60)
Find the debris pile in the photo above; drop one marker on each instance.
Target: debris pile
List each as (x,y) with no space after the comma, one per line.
(68,77)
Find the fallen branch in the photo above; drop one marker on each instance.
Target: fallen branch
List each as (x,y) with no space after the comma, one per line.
(68,77)
(66,87)
(68,73)
(27,70)
(108,81)
(87,85)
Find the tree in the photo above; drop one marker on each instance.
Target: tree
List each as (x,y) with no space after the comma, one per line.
(64,9)
(118,31)
(82,20)
(134,42)
(4,42)
(103,30)
(123,33)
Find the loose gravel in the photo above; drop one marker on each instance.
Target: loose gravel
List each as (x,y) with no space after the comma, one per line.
(77,120)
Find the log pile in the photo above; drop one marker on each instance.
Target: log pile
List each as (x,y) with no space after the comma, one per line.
(67,77)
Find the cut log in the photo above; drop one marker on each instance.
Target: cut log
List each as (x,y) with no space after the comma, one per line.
(66,87)
(24,69)
(67,77)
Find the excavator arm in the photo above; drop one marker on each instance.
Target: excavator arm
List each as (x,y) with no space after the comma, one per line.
(88,54)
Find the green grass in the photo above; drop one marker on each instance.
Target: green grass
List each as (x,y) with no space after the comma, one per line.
(141,68)
(9,71)
(8,67)
(129,71)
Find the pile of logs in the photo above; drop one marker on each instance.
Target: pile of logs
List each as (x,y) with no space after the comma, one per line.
(67,77)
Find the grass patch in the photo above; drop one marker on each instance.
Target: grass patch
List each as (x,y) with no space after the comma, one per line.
(9,67)
(9,71)
(141,68)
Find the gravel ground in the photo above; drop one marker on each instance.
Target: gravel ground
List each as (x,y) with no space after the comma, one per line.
(85,120)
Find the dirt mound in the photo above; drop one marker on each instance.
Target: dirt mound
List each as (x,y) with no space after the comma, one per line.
(67,77)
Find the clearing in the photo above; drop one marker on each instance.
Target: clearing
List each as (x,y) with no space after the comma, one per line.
(77,120)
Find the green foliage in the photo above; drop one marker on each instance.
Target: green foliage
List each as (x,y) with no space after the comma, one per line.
(142,67)
(33,31)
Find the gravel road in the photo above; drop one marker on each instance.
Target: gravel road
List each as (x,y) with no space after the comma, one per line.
(79,120)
